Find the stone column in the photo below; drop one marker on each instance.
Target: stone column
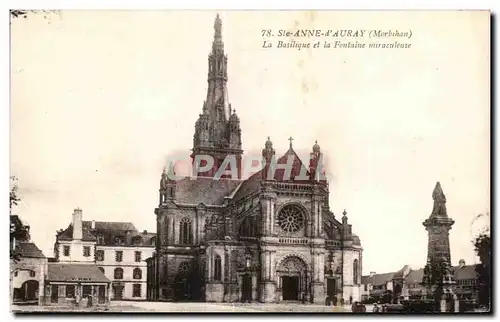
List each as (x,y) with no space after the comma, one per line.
(268,287)
(171,229)
(268,204)
(317,283)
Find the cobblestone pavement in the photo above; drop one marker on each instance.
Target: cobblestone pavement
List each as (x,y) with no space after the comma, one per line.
(130,307)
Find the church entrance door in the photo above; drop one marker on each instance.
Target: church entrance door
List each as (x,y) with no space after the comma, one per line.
(290,287)
(331,288)
(246,288)
(292,279)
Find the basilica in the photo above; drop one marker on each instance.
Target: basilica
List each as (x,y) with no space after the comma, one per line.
(268,237)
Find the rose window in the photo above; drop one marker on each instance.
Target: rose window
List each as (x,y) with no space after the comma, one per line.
(183,268)
(291,219)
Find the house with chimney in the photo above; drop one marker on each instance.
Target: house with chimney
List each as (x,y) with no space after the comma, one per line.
(115,251)
(406,284)
(375,286)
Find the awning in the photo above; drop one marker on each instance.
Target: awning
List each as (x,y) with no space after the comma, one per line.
(377,292)
(58,272)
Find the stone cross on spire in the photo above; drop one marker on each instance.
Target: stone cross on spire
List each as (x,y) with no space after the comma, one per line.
(290,139)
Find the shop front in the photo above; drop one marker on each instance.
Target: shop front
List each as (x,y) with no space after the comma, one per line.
(79,285)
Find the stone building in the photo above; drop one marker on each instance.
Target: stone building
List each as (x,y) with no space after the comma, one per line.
(118,250)
(28,267)
(465,287)
(270,237)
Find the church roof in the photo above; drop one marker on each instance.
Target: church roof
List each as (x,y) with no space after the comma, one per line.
(204,190)
(252,183)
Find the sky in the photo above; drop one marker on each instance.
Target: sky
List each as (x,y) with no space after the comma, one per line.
(100,99)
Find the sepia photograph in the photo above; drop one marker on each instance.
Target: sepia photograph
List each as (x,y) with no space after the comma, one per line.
(231,161)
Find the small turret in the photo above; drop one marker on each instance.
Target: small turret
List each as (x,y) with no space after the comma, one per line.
(344,217)
(316,163)
(167,184)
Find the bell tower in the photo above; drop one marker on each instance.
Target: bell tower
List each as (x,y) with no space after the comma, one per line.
(217,130)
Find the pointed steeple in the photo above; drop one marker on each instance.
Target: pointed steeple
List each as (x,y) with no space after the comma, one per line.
(212,129)
(217,131)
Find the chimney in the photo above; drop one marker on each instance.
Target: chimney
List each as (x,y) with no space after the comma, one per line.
(461,263)
(145,232)
(128,238)
(92,225)
(372,273)
(77,224)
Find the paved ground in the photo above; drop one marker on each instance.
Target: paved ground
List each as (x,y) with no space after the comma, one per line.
(125,306)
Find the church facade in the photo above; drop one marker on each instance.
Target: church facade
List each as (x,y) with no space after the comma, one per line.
(269,237)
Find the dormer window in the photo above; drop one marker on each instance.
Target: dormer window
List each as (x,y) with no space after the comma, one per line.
(137,240)
(100,239)
(118,240)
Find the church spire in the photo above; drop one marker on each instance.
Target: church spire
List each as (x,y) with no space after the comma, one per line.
(217,131)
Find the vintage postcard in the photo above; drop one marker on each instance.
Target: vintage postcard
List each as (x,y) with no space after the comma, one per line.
(250,161)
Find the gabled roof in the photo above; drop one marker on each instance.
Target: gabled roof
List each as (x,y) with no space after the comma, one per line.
(400,274)
(377,279)
(29,250)
(415,276)
(110,225)
(466,272)
(109,230)
(75,272)
(252,183)
(67,234)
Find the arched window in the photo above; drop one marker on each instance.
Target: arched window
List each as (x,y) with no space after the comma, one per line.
(153,241)
(355,272)
(217,268)
(185,234)
(248,228)
(118,273)
(137,273)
